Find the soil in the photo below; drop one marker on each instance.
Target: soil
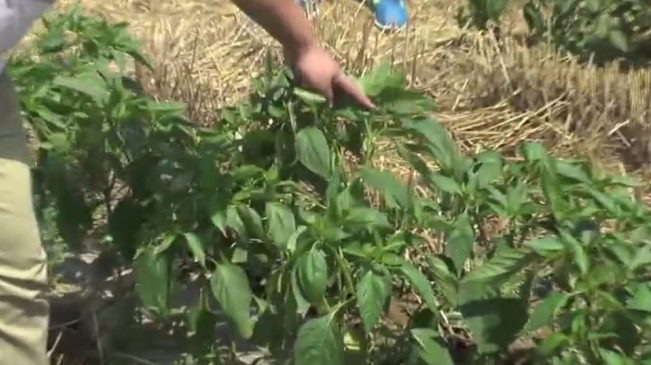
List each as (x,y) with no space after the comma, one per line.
(91,312)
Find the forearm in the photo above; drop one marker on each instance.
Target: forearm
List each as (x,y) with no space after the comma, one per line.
(282,19)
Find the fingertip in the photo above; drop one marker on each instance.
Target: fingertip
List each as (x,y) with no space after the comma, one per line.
(345,84)
(365,102)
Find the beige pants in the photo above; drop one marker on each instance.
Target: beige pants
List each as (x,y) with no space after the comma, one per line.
(23,276)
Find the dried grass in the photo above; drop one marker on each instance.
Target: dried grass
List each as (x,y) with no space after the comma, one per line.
(576,108)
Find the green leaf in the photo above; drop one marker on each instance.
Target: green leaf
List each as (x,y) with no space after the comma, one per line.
(534,17)
(624,329)
(332,191)
(594,6)
(345,200)
(505,262)
(167,108)
(251,220)
(356,345)
(553,343)
(165,243)
(235,222)
(441,144)
(239,255)
(545,311)
(218,219)
(624,181)
(605,200)
(642,258)
(486,301)
(533,152)
(495,8)
(373,291)
(394,192)
(490,169)
(546,245)
(367,217)
(74,216)
(445,184)
(408,103)
(580,257)
(89,84)
(281,223)
(201,321)
(319,342)
(52,41)
(125,223)
(309,97)
(374,82)
(312,274)
(231,288)
(432,348)
(292,243)
(493,321)
(613,358)
(460,242)
(59,142)
(618,39)
(516,198)
(415,162)
(313,151)
(153,281)
(444,280)
(421,285)
(573,172)
(196,247)
(641,300)
(554,194)
(302,305)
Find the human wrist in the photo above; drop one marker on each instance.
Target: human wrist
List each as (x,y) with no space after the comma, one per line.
(294,48)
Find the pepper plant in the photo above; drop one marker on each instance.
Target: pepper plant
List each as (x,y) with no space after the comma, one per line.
(282,217)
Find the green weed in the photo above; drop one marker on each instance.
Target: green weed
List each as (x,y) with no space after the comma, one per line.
(596,30)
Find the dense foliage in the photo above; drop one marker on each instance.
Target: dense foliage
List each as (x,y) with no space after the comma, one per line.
(599,30)
(302,240)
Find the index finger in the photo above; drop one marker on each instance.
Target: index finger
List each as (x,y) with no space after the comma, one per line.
(343,84)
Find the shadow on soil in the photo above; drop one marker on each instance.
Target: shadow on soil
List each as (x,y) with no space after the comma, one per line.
(95,320)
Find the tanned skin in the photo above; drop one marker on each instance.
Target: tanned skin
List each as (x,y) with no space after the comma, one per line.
(316,69)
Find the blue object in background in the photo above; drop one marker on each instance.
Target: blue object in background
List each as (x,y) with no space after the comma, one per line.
(311,6)
(390,14)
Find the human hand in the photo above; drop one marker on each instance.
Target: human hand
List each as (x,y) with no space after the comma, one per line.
(319,72)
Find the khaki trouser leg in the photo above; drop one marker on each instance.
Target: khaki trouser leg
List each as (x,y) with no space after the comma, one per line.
(23,276)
